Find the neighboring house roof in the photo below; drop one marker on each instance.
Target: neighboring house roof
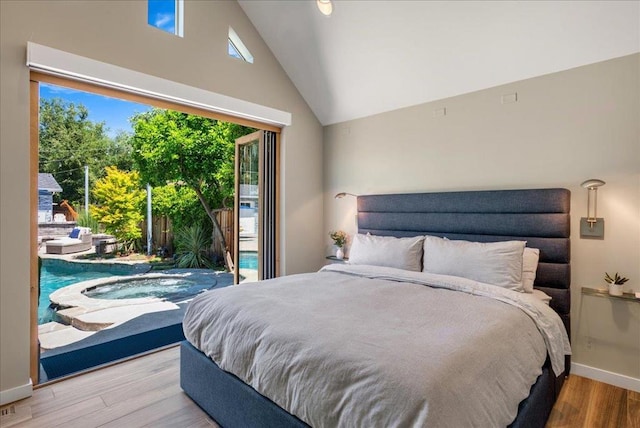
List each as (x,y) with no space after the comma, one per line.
(47,182)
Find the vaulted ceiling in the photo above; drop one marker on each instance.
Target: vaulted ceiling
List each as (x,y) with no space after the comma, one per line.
(375,56)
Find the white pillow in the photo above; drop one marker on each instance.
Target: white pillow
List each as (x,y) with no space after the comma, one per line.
(529,267)
(400,253)
(497,263)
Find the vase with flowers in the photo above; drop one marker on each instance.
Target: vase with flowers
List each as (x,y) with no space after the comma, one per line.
(339,240)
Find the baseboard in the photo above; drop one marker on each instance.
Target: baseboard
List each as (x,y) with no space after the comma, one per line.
(615,379)
(17,393)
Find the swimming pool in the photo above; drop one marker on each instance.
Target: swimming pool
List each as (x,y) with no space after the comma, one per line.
(56,274)
(248,260)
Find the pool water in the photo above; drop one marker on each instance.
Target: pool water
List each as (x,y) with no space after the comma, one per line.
(55,276)
(167,288)
(248,260)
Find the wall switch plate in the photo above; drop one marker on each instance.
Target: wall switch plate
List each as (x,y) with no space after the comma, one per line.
(440,112)
(593,232)
(510,98)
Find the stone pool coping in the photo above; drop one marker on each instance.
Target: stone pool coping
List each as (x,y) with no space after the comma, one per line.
(89,314)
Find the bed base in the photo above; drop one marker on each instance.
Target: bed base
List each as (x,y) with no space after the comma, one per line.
(234,404)
(223,396)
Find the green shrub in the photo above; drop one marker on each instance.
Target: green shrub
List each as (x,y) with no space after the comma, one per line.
(85,219)
(119,202)
(192,247)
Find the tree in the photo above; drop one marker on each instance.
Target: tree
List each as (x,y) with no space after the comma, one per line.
(119,201)
(180,204)
(118,152)
(193,151)
(68,141)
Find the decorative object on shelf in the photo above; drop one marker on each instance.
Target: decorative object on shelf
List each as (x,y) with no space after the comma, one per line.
(615,283)
(339,240)
(592,226)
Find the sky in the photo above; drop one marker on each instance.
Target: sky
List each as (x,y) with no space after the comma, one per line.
(162,14)
(113,111)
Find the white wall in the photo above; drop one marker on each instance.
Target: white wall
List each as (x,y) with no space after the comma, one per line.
(565,128)
(116,32)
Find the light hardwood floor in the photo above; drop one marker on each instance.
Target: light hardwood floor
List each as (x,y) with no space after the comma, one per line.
(137,393)
(587,403)
(146,392)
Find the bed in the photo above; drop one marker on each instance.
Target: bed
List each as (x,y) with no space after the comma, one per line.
(539,216)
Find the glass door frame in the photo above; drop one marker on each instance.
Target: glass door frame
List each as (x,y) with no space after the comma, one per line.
(258,137)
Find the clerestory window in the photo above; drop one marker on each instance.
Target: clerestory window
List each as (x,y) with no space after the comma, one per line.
(237,49)
(166,15)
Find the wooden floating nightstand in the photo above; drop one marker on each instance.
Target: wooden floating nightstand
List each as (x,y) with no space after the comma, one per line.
(587,291)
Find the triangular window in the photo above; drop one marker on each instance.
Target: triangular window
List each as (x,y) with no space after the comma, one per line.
(237,49)
(233,51)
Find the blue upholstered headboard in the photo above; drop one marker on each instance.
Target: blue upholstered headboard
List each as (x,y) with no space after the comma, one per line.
(538,216)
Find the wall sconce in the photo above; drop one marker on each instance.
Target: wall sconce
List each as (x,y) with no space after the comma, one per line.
(343,194)
(592,226)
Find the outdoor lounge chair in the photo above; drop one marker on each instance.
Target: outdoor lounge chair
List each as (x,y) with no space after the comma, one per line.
(78,240)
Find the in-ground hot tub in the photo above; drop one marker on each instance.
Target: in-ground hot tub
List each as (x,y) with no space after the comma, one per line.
(57,274)
(168,288)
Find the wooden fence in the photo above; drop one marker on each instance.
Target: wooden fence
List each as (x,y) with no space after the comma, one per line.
(162,231)
(225,218)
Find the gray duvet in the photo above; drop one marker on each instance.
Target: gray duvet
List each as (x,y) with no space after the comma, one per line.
(363,346)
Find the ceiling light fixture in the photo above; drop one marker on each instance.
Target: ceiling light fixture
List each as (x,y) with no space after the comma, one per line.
(325,7)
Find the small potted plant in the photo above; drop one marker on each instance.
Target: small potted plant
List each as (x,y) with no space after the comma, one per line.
(615,283)
(339,240)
